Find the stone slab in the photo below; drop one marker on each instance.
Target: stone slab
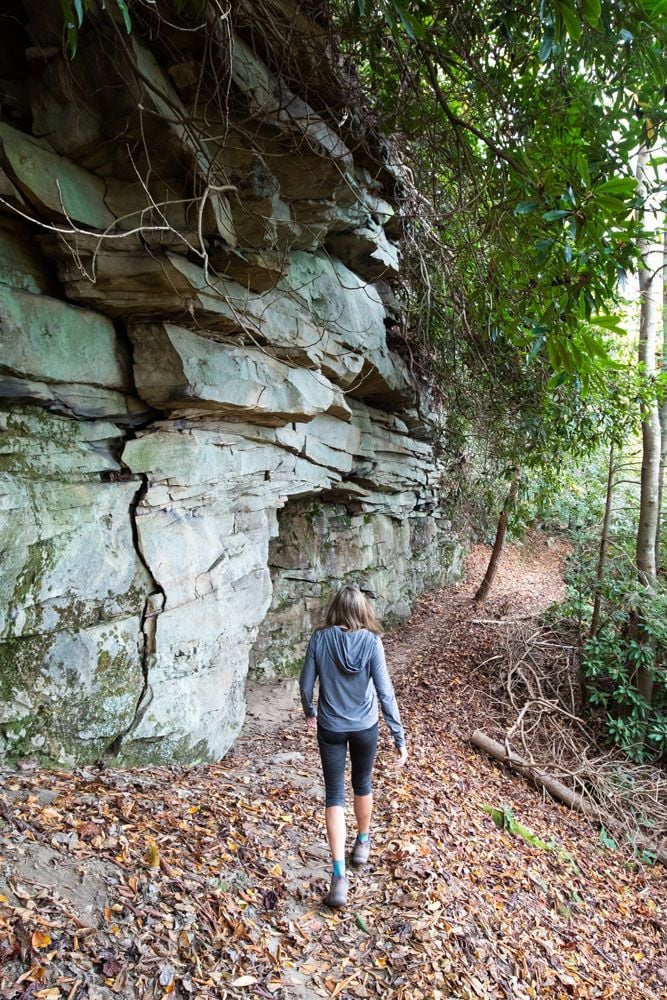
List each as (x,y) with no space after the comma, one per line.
(74,400)
(215,577)
(48,339)
(38,445)
(174,366)
(51,182)
(70,560)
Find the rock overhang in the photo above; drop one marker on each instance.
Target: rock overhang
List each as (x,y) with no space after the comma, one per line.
(205,376)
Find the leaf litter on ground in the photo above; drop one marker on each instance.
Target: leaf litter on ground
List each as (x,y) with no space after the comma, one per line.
(207,881)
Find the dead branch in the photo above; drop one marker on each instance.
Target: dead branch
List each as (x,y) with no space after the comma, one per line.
(540,729)
(561,792)
(501,621)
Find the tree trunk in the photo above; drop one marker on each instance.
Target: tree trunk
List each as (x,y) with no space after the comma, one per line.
(663,410)
(647,531)
(499,541)
(604,545)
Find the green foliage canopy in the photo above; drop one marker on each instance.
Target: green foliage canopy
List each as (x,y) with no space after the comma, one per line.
(520,124)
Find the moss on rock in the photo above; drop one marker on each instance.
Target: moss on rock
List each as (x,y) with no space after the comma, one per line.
(65,695)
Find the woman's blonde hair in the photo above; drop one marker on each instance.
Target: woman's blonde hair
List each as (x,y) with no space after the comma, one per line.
(351,609)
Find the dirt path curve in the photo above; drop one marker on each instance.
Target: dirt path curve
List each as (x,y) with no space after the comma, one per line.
(457,908)
(207,883)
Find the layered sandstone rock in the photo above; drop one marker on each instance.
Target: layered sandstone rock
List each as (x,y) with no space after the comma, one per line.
(204,431)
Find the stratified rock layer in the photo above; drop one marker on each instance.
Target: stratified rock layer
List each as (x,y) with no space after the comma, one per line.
(204,432)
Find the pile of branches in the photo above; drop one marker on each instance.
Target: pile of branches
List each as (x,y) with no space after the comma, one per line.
(542,735)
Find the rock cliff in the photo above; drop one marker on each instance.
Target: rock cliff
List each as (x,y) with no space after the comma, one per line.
(204,430)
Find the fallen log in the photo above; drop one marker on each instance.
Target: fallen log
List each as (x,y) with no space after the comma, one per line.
(561,792)
(502,621)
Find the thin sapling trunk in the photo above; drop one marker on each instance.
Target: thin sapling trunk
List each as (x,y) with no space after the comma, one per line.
(663,412)
(647,530)
(604,545)
(501,531)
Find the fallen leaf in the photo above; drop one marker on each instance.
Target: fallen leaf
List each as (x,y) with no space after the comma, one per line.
(40,939)
(343,984)
(166,975)
(152,855)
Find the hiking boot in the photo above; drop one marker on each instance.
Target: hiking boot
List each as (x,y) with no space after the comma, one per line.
(337,894)
(360,851)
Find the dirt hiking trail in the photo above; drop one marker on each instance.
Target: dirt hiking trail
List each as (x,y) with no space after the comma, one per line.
(207,882)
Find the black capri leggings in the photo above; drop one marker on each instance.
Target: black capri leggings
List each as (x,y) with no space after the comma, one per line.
(333,750)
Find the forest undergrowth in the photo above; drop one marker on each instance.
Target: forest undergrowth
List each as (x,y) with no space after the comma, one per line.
(207,882)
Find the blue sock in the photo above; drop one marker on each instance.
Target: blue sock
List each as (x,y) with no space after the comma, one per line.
(338,868)
(363,837)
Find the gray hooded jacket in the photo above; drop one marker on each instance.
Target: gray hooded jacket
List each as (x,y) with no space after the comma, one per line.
(353,676)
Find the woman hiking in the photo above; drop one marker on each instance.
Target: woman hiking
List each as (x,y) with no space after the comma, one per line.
(347,657)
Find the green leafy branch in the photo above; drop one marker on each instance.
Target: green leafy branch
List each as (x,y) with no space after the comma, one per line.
(74,12)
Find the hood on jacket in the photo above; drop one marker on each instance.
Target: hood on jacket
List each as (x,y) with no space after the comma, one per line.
(350,651)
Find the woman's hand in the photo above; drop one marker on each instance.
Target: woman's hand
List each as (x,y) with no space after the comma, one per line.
(311,722)
(402,755)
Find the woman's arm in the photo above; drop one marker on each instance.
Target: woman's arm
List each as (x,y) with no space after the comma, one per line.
(307,681)
(385,692)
